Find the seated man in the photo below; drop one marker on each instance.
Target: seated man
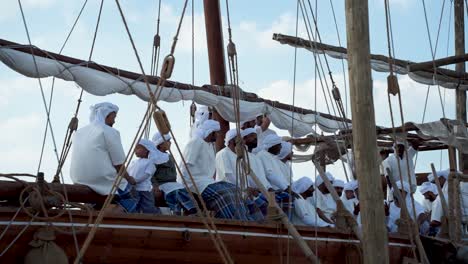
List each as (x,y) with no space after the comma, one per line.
(98,155)
(285,156)
(430,193)
(348,197)
(165,182)
(220,197)
(226,170)
(394,212)
(304,209)
(326,206)
(272,167)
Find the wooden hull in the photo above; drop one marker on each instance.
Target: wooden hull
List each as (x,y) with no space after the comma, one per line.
(160,239)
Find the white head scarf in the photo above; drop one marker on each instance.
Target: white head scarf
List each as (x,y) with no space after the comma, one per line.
(270,141)
(442,173)
(232,133)
(354,185)
(405,186)
(348,186)
(248,131)
(100,111)
(155,155)
(158,138)
(207,128)
(246,121)
(338,183)
(302,185)
(428,187)
(286,148)
(201,115)
(319,179)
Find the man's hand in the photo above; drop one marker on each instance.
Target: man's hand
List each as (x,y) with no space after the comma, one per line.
(130,180)
(357,209)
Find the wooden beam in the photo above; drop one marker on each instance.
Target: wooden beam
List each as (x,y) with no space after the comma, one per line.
(374,232)
(213,89)
(10,190)
(429,65)
(214,40)
(302,43)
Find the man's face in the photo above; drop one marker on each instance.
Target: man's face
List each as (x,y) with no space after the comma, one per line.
(323,188)
(339,190)
(308,193)
(442,181)
(259,120)
(430,196)
(275,150)
(349,194)
(110,119)
(141,151)
(211,137)
(251,140)
(400,149)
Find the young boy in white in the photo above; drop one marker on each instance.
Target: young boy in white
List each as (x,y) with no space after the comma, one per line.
(142,169)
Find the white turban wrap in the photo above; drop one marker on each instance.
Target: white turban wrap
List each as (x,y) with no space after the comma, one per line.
(442,173)
(155,155)
(319,179)
(158,139)
(428,187)
(338,183)
(348,186)
(208,127)
(302,185)
(286,149)
(100,111)
(246,121)
(248,131)
(201,115)
(231,134)
(405,186)
(354,185)
(270,141)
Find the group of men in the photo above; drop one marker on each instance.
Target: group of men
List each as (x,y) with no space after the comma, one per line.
(232,182)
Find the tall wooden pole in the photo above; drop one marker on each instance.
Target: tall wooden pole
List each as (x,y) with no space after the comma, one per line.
(459,20)
(214,39)
(374,231)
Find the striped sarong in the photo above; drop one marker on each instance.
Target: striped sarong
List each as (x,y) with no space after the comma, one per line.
(178,200)
(220,197)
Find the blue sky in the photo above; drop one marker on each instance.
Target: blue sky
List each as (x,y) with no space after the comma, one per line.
(265,66)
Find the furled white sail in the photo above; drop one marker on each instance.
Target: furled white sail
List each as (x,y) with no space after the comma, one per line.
(102,82)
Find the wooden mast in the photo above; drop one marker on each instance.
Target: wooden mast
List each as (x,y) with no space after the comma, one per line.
(459,20)
(374,232)
(214,39)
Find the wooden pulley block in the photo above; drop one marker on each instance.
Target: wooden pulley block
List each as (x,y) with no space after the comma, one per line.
(167,67)
(73,125)
(162,122)
(392,84)
(156,40)
(231,49)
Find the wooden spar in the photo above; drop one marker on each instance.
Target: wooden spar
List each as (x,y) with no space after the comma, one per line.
(429,65)
(459,30)
(10,190)
(302,43)
(374,231)
(213,89)
(453,198)
(214,39)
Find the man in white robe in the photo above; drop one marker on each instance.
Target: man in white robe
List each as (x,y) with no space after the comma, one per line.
(285,156)
(262,126)
(270,148)
(226,159)
(395,208)
(348,197)
(304,210)
(199,154)
(430,193)
(339,186)
(323,200)
(98,155)
(406,165)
